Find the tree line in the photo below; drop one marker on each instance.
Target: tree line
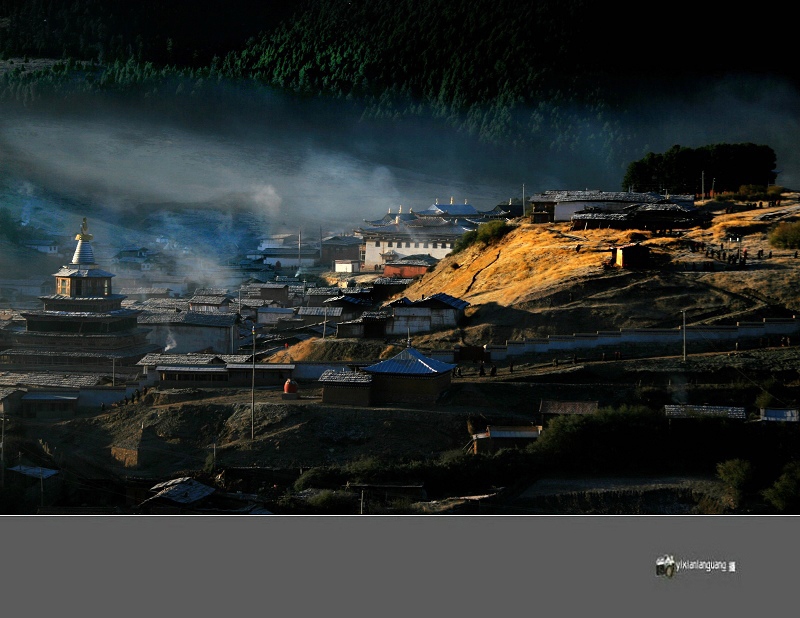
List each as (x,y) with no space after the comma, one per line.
(506,72)
(716,168)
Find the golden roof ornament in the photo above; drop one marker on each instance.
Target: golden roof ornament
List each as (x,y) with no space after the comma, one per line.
(84,233)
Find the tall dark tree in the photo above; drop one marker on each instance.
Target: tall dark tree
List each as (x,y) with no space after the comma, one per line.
(723,167)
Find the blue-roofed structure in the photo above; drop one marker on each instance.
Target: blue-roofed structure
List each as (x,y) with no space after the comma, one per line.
(409,377)
(410,362)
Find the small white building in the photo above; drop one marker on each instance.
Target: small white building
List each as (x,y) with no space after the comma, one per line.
(347,266)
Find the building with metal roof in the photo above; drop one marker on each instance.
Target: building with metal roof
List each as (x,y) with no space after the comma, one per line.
(565,204)
(352,388)
(695,411)
(503,436)
(433,236)
(193,331)
(551,407)
(410,377)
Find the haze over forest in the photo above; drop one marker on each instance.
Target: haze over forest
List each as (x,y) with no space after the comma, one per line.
(259,128)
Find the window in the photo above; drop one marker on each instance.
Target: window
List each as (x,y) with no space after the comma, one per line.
(416,245)
(425,246)
(434,246)
(408,245)
(377,243)
(389,244)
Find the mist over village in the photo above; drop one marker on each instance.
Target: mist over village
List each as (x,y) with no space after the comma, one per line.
(237,280)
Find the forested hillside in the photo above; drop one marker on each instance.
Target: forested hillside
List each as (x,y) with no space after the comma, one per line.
(509,72)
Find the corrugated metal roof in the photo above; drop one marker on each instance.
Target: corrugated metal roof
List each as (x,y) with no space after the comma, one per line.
(683,411)
(322,311)
(75,272)
(452,301)
(35,471)
(392,281)
(350,300)
(780,414)
(262,366)
(192,318)
(38,396)
(549,406)
(411,362)
(192,368)
(607,196)
(776,414)
(494,431)
(192,359)
(46,379)
(209,300)
(349,377)
(183,490)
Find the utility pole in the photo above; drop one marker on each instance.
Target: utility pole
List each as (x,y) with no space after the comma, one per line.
(3,452)
(684,334)
(703,184)
(253,391)
(113,371)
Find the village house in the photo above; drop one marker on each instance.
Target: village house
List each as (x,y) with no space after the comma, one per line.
(632,255)
(345,249)
(409,377)
(269,316)
(450,211)
(285,251)
(564,204)
(435,312)
(210,304)
(688,411)
(349,307)
(11,400)
(659,217)
(49,247)
(49,395)
(276,292)
(384,288)
(498,437)
(212,370)
(142,294)
(315,315)
(371,324)
(192,331)
(135,259)
(353,388)
(781,415)
(347,266)
(433,235)
(410,267)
